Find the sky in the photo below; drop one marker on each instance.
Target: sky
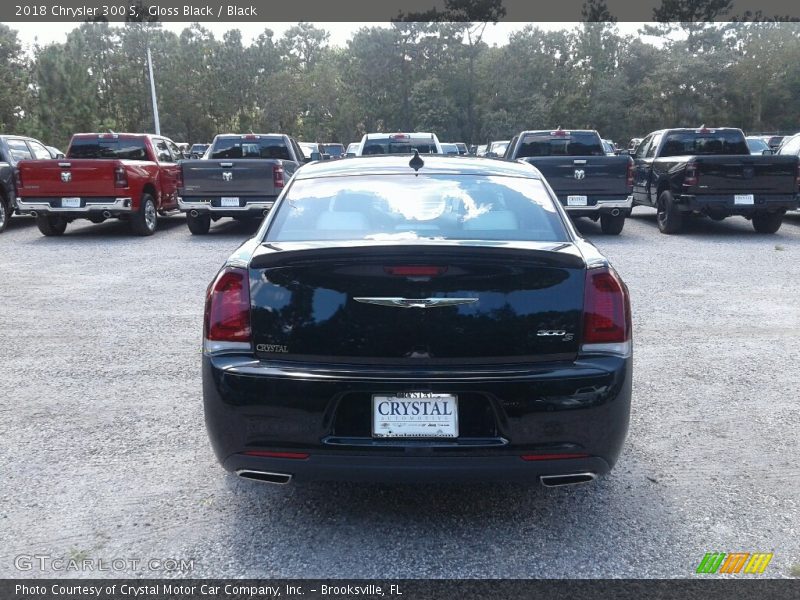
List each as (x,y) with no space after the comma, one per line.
(496,34)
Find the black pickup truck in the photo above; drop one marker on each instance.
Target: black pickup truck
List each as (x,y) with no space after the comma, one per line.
(240,176)
(711,172)
(587,181)
(14,148)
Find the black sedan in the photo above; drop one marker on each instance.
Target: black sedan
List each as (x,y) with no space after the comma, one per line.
(402,319)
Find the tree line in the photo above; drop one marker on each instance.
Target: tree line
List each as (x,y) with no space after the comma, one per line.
(424,76)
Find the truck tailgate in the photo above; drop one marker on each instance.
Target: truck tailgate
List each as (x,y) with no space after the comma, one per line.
(68,177)
(590,175)
(752,174)
(240,177)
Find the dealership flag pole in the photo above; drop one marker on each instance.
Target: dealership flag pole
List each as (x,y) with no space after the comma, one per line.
(153,91)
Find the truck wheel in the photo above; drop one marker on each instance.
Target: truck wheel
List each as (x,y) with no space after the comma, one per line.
(670,219)
(611,225)
(767,222)
(51,225)
(144,221)
(199,225)
(5,213)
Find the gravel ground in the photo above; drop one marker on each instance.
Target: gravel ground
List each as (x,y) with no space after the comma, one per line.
(104,455)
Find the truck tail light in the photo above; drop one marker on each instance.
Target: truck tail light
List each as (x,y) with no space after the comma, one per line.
(629,178)
(606,313)
(120,177)
(277,176)
(692,177)
(227,317)
(18,178)
(179,177)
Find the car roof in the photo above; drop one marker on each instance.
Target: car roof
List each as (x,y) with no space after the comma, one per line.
(412,134)
(382,164)
(260,135)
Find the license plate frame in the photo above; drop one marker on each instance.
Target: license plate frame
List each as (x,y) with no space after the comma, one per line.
(577,200)
(229,201)
(415,426)
(744,199)
(71,202)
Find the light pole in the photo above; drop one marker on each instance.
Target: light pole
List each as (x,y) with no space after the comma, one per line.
(153,91)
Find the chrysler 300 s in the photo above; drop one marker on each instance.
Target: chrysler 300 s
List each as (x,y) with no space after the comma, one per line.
(403,319)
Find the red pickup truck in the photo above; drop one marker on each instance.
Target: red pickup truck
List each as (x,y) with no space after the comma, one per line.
(128,176)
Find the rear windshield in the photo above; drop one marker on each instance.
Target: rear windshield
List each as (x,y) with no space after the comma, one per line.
(569,144)
(333,149)
(405,146)
(199,148)
(686,143)
(120,148)
(238,147)
(389,207)
(757,145)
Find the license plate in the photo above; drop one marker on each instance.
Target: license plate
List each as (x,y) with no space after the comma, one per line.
(743,199)
(229,201)
(415,415)
(577,200)
(70,203)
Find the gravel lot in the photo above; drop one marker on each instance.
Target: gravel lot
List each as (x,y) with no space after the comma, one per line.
(104,455)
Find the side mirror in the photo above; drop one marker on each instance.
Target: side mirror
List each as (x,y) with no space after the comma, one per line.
(60,155)
(350,155)
(767,152)
(326,156)
(314,156)
(491,155)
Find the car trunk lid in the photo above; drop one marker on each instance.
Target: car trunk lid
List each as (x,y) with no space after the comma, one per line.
(438,304)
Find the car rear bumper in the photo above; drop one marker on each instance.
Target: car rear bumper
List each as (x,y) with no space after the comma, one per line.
(211,206)
(725,203)
(599,205)
(570,417)
(413,469)
(31,205)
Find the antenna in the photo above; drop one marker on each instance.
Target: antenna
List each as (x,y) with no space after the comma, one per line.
(416,162)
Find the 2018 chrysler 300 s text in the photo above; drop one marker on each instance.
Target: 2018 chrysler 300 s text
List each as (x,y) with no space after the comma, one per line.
(402,318)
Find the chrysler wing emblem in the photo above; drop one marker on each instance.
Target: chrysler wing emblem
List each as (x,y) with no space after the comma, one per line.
(227,175)
(580,174)
(66,176)
(416,302)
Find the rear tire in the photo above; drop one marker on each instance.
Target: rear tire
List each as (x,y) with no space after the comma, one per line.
(145,220)
(5,213)
(767,222)
(51,226)
(670,219)
(611,225)
(199,225)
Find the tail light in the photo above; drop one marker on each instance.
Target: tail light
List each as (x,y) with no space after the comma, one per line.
(227,320)
(18,178)
(277,176)
(629,179)
(692,176)
(179,178)
(607,313)
(120,177)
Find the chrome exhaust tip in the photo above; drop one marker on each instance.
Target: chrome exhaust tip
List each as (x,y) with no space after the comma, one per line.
(106,214)
(615,212)
(34,214)
(194,213)
(568,479)
(265,476)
